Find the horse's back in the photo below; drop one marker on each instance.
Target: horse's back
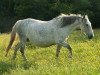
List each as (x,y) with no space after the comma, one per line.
(39,32)
(24,25)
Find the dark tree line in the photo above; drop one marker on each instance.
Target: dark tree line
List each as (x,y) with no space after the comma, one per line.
(12,10)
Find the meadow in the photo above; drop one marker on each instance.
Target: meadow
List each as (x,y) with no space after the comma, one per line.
(42,61)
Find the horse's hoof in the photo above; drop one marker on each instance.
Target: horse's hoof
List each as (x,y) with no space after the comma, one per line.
(70,56)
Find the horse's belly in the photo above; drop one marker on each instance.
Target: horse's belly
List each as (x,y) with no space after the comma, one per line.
(41,36)
(42,42)
(42,45)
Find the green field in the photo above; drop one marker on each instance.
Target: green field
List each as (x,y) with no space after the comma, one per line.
(41,61)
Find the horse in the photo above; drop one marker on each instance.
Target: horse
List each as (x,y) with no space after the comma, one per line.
(46,33)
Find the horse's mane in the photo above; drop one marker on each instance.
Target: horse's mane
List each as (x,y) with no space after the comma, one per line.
(70,15)
(67,19)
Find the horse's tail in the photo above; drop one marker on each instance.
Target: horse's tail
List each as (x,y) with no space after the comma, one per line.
(12,38)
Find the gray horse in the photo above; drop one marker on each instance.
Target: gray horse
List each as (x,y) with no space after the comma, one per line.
(47,33)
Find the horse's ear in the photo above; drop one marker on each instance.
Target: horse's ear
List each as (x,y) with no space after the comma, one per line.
(84,16)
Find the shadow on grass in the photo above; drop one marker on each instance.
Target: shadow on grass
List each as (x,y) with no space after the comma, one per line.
(27,64)
(6,67)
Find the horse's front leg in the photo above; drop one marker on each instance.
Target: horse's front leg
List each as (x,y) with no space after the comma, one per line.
(58,50)
(66,45)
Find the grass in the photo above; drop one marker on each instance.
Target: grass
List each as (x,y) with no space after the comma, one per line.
(41,61)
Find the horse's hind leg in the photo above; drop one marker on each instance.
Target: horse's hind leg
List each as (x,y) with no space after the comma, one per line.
(22,48)
(22,44)
(15,50)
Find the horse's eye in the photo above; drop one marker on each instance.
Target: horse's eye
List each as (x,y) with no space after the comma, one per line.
(86,24)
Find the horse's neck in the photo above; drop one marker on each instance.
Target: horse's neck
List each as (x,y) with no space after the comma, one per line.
(54,22)
(69,29)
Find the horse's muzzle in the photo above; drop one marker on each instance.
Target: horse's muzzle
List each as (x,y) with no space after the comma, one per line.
(90,36)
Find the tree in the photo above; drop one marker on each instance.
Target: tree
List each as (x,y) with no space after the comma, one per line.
(12,10)
(95,8)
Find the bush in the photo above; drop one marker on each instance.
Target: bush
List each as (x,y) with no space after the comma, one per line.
(12,10)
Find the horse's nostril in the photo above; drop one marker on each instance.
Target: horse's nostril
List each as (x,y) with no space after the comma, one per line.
(90,36)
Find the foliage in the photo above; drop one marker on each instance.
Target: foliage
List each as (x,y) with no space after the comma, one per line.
(95,8)
(41,61)
(46,10)
(30,8)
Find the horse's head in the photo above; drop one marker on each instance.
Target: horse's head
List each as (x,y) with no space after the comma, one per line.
(86,27)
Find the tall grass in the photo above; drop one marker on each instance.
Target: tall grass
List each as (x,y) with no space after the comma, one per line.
(41,61)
